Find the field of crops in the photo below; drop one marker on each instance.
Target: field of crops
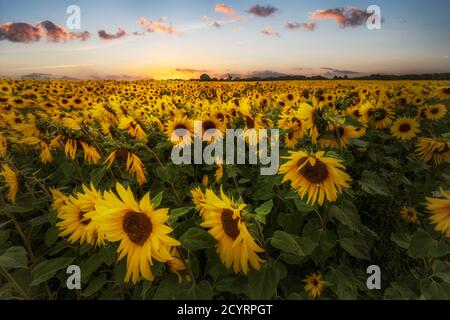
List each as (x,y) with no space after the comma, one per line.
(87,180)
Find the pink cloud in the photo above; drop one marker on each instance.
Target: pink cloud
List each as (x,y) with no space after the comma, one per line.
(310,26)
(25,32)
(159,26)
(108,36)
(270,31)
(223,8)
(344,17)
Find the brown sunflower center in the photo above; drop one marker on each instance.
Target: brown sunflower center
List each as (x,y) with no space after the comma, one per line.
(404,127)
(230,225)
(444,149)
(314,174)
(249,122)
(180,129)
(434,111)
(290,97)
(410,214)
(315,283)
(137,226)
(208,125)
(446,91)
(83,221)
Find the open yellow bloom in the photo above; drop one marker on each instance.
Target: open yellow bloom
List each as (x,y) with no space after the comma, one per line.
(440,212)
(11,181)
(314,285)
(140,229)
(316,175)
(236,246)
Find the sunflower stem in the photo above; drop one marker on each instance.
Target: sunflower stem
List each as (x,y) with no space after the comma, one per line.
(14,284)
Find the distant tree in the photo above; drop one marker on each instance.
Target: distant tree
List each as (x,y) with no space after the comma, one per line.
(205,77)
(229,77)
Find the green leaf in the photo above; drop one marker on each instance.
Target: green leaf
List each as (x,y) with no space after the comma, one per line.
(263,283)
(402,239)
(294,249)
(372,183)
(441,270)
(14,257)
(175,214)
(346,216)
(156,201)
(356,247)
(432,290)
(263,210)
(95,285)
(235,284)
(196,239)
(424,246)
(397,291)
(167,289)
(200,291)
(51,236)
(90,265)
(345,283)
(47,269)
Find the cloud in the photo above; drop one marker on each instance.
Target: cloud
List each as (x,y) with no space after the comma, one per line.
(158,26)
(341,72)
(24,32)
(223,8)
(270,31)
(262,11)
(107,36)
(189,70)
(344,17)
(216,25)
(310,26)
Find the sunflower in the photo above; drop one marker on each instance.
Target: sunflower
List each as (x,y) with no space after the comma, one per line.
(437,149)
(211,129)
(314,284)
(443,92)
(405,128)
(71,148)
(224,220)
(136,167)
(139,227)
(91,154)
(133,128)
(440,212)
(200,202)
(313,116)
(59,199)
(436,112)
(319,176)
(3,146)
(76,214)
(12,182)
(379,115)
(175,264)
(341,136)
(179,131)
(409,214)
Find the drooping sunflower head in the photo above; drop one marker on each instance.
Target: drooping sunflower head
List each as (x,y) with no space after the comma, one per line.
(437,149)
(318,176)
(439,209)
(11,181)
(405,128)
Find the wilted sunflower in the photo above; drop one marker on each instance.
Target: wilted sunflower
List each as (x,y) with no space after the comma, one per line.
(405,128)
(133,128)
(435,112)
(319,176)
(12,182)
(314,284)
(437,149)
(139,227)
(76,214)
(440,211)
(236,245)
(409,214)
(91,154)
(136,167)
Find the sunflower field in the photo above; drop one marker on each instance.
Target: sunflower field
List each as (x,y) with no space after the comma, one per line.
(87,183)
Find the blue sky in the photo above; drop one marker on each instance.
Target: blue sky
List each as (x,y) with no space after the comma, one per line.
(414,38)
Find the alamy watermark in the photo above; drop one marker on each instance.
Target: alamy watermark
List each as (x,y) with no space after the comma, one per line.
(229,148)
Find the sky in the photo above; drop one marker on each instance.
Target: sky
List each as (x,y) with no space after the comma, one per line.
(167,39)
